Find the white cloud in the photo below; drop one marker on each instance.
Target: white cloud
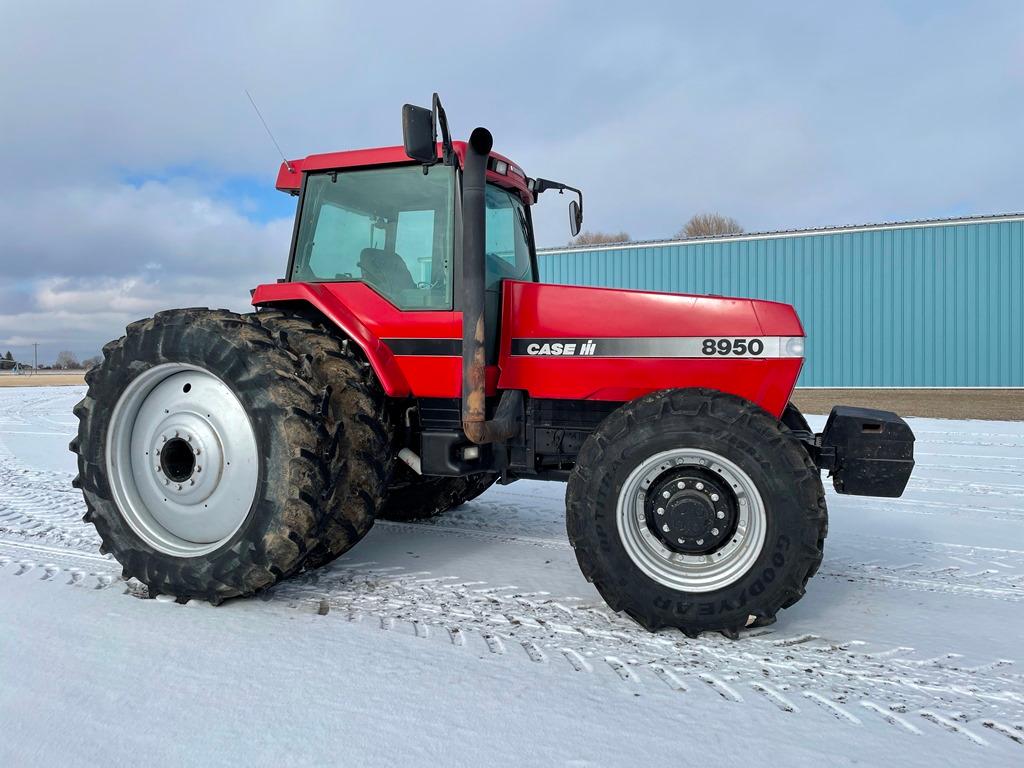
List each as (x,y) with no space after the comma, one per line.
(169,229)
(81,263)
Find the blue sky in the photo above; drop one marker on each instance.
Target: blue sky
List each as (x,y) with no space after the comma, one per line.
(253,196)
(140,178)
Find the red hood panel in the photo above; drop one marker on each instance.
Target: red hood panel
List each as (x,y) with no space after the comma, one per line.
(568,310)
(574,316)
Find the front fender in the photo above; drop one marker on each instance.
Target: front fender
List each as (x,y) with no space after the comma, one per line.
(381,359)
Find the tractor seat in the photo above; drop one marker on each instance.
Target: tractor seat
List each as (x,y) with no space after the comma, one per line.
(385,270)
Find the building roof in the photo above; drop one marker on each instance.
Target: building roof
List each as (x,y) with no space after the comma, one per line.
(984,219)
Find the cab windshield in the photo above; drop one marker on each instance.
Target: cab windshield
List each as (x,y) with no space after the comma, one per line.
(393,229)
(388,227)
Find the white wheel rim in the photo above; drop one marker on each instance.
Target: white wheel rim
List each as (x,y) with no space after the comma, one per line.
(182,459)
(691,573)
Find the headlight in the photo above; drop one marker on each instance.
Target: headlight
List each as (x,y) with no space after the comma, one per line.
(795,346)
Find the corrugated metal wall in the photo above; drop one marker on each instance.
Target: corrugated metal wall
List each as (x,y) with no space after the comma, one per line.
(936,305)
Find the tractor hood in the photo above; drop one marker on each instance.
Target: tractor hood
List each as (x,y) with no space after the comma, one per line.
(610,344)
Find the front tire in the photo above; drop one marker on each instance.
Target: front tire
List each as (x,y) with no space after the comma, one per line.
(199,455)
(693,509)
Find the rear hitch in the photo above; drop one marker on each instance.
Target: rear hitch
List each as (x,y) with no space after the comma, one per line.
(866,452)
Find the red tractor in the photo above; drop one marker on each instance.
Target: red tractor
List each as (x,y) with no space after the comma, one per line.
(410,358)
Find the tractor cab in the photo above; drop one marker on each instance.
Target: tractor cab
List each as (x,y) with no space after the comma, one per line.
(365,218)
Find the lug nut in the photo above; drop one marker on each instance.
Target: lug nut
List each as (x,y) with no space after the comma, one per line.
(714,497)
(666,494)
(166,481)
(700,486)
(680,541)
(680,485)
(721,515)
(660,510)
(700,542)
(191,482)
(158,469)
(714,531)
(163,438)
(189,438)
(198,468)
(198,450)
(179,486)
(664,528)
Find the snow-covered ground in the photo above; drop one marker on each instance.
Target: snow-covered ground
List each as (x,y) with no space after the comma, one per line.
(474,640)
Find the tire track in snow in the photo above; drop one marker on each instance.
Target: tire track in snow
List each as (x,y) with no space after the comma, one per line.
(60,567)
(887,682)
(918,506)
(987,572)
(42,505)
(890,682)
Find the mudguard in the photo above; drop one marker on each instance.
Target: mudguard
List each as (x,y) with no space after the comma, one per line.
(380,357)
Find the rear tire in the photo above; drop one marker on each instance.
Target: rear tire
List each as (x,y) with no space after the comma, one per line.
(763,485)
(213,385)
(415,497)
(358,449)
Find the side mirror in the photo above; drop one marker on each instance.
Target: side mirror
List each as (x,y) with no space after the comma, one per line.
(575,218)
(575,207)
(419,134)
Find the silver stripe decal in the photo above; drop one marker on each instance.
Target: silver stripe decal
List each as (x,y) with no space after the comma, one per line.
(662,346)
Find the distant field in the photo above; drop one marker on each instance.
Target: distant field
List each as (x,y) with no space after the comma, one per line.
(989,404)
(42,379)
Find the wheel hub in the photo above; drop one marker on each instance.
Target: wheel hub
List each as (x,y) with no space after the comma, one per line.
(177,460)
(188,455)
(691,510)
(691,514)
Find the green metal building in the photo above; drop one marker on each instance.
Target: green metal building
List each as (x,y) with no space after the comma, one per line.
(914,304)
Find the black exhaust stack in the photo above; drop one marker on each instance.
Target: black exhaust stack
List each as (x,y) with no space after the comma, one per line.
(474,333)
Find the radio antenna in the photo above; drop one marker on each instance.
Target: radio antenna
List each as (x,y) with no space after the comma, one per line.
(287,164)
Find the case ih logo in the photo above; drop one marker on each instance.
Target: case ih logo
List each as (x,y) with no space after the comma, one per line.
(556,348)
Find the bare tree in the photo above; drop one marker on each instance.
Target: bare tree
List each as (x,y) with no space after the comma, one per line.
(91,362)
(66,360)
(709,224)
(600,238)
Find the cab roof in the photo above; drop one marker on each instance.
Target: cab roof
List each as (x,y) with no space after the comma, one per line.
(500,170)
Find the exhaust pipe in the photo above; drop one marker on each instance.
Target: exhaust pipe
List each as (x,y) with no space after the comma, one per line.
(474,333)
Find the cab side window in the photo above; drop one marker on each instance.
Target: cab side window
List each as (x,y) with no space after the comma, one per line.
(507,246)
